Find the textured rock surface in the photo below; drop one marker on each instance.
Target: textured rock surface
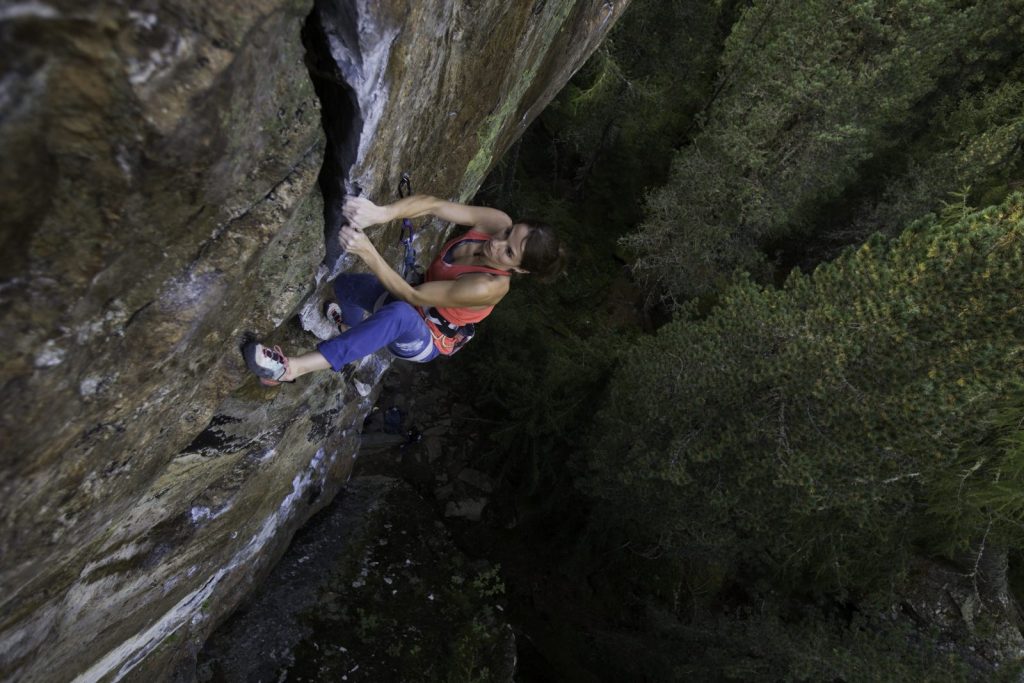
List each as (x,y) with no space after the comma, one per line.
(159,198)
(969,607)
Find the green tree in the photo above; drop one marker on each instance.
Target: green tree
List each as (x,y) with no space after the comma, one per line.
(541,360)
(826,431)
(808,430)
(971,152)
(813,98)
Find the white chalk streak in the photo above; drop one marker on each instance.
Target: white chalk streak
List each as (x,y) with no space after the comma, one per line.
(129,653)
(21,10)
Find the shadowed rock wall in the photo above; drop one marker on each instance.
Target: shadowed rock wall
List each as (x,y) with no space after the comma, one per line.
(158,199)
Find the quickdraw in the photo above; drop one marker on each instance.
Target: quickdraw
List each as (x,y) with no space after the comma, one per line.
(410,271)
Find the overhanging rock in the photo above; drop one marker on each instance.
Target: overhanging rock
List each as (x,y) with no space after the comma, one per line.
(160,198)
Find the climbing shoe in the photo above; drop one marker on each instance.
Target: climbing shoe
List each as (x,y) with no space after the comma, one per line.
(268,364)
(332,312)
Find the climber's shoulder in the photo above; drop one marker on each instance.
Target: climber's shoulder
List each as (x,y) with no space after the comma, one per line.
(480,218)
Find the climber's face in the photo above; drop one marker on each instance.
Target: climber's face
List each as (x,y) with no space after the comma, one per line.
(504,250)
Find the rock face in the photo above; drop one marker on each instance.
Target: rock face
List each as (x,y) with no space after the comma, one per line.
(168,172)
(970,608)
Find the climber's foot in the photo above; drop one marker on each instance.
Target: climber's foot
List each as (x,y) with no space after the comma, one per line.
(270,365)
(332,312)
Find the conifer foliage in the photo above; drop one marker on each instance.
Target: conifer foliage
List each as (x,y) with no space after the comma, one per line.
(760,475)
(811,428)
(813,100)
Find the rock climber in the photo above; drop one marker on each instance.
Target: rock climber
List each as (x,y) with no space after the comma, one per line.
(380,309)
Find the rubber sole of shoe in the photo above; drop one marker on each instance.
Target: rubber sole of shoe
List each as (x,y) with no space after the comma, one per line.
(249,354)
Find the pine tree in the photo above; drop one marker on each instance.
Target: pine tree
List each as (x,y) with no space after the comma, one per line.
(816,430)
(813,99)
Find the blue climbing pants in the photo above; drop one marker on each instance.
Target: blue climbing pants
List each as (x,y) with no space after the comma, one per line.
(377,320)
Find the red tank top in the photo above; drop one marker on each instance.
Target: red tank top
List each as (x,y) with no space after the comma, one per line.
(441,270)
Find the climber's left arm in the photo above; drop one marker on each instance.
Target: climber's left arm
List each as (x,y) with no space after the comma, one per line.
(471,290)
(362,213)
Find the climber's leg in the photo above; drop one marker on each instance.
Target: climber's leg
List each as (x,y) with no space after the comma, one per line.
(357,294)
(397,326)
(306,363)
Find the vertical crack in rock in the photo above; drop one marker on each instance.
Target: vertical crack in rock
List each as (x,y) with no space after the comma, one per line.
(347,56)
(333,56)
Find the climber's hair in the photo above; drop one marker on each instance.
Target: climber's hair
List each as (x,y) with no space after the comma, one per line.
(544,255)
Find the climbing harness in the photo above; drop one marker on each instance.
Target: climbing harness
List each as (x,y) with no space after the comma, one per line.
(410,271)
(452,327)
(448,337)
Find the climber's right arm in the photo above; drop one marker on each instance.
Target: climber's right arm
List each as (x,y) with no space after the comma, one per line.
(361,212)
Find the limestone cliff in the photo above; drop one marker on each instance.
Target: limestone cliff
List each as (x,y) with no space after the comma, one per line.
(159,197)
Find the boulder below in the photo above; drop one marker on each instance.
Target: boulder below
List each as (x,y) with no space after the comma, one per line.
(374,585)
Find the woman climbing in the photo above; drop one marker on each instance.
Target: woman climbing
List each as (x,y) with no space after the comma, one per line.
(470,275)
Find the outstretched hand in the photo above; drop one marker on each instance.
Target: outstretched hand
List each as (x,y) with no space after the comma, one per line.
(355,241)
(362,213)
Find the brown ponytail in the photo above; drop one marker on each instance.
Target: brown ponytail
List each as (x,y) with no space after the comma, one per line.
(544,255)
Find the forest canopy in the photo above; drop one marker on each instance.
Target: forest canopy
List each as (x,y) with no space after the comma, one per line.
(784,382)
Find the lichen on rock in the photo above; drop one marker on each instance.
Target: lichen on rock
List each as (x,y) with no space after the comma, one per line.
(172,181)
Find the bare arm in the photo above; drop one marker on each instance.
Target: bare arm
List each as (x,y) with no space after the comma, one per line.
(468,291)
(362,213)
